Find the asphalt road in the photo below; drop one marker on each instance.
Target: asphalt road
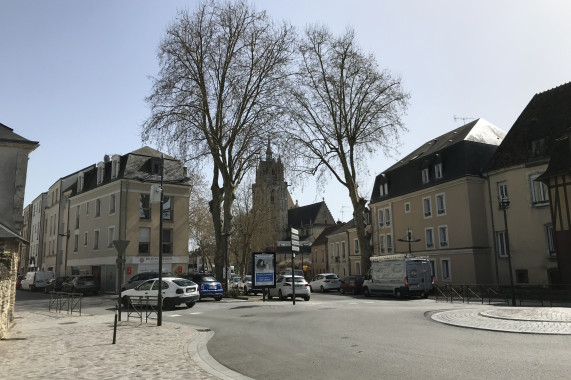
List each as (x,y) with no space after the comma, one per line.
(335,336)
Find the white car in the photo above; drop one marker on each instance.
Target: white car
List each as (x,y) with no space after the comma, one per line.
(246,287)
(325,282)
(175,291)
(284,289)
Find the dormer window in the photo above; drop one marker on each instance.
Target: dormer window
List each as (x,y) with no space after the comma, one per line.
(115,167)
(383,186)
(425,175)
(100,172)
(438,170)
(80,181)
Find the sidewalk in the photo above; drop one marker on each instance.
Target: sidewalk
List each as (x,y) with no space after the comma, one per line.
(44,344)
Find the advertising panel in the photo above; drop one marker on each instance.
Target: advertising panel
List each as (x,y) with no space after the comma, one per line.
(264,270)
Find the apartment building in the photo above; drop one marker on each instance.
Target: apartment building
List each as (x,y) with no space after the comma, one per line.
(513,175)
(432,203)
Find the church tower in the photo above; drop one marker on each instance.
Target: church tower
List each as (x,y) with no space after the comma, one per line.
(271,201)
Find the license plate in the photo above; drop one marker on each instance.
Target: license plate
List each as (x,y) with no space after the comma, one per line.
(212,287)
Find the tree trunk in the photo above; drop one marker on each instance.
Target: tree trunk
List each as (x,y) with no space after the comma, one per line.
(216,211)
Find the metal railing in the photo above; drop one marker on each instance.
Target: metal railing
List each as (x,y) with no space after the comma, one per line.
(533,295)
(140,306)
(70,302)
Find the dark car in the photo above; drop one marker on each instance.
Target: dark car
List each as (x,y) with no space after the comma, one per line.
(142,277)
(208,286)
(81,284)
(54,285)
(352,284)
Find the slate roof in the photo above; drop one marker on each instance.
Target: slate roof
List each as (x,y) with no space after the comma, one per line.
(322,238)
(546,117)
(463,152)
(7,135)
(307,215)
(560,162)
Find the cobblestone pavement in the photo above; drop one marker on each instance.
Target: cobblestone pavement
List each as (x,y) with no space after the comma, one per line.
(530,320)
(42,345)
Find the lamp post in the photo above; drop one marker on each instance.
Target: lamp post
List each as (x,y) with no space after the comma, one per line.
(504,205)
(160,311)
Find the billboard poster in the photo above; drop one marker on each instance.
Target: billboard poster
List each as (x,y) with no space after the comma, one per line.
(264,269)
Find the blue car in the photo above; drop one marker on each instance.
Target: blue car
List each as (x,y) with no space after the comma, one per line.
(208,286)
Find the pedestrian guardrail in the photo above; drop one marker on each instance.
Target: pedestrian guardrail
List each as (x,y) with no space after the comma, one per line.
(536,295)
(70,302)
(140,306)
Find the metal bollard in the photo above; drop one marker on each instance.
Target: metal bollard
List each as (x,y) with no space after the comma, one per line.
(115,324)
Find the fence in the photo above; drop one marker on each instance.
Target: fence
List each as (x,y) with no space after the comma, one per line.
(65,301)
(141,305)
(533,295)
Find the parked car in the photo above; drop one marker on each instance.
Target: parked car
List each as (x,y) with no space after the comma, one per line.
(175,291)
(325,282)
(142,277)
(19,281)
(36,280)
(352,284)
(80,284)
(245,286)
(208,286)
(54,285)
(234,282)
(284,288)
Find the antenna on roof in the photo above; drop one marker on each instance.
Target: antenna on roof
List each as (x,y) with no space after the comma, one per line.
(456,118)
(342,207)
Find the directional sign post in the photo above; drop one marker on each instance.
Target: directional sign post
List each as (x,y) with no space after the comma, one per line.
(294,249)
(120,246)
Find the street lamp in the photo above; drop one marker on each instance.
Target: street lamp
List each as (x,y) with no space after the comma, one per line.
(504,205)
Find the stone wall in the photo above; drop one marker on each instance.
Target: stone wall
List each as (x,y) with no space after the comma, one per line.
(8,275)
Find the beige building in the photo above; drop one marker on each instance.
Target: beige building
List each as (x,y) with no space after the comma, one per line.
(432,204)
(512,173)
(118,199)
(344,256)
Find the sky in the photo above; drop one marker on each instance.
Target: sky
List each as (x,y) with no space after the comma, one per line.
(74,74)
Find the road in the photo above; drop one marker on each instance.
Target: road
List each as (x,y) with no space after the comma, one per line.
(337,336)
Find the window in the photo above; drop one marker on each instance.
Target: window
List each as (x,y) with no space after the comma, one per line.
(387,217)
(80,182)
(145,207)
(549,239)
(433,268)
(85,239)
(382,243)
(356,244)
(167,208)
(445,263)
(97,207)
(110,236)
(384,189)
(144,240)
(440,204)
(389,243)
(155,166)
(501,245)
(331,250)
(112,204)
(343,249)
(539,191)
(443,234)
(381,218)
(167,240)
(438,170)
(86,208)
(425,176)
(407,207)
(429,237)
(75,242)
(427,207)
(100,172)
(96,239)
(358,268)
(115,167)
(521,276)
(502,191)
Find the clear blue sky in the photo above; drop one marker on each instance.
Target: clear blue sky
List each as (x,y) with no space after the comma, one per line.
(74,74)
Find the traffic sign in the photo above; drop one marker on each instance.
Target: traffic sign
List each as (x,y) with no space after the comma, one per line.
(294,231)
(295,248)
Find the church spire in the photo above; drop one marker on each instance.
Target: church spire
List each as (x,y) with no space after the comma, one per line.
(268,151)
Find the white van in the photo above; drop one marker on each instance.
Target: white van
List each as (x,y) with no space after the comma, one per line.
(399,275)
(36,280)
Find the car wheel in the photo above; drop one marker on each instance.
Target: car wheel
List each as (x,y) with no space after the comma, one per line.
(245,291)
(398,293)
(306,298)
(322,289)
(168,304)
(341,290)
(280,295)
(367,292)
(190,304)
(126,301)
(219,298)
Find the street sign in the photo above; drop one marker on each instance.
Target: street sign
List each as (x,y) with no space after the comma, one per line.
(294,237)
(295,248)
(295,243)
(294,231)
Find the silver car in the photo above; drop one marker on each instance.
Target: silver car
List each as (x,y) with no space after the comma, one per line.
(284,288)
(325,282)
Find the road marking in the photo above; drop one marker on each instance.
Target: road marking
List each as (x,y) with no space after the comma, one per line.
(175,315)
(197,312)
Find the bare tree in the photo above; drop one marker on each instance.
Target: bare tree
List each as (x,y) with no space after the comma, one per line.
(217,96)
(343,108)
(202,239)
